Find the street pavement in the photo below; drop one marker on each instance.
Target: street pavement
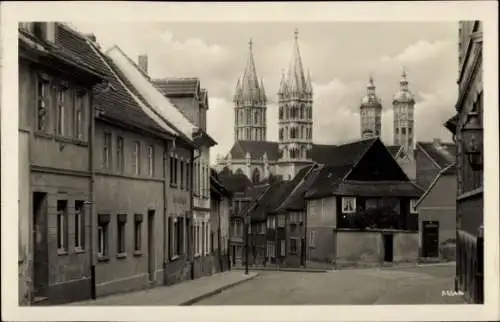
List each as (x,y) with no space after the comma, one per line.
(403,285)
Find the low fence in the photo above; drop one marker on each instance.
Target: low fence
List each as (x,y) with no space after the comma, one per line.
(469,270)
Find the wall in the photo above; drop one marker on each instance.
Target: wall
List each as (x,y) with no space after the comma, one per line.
(296,231)
(321,220)
(368,246)
(356,246)
(126,193)
(440,205)
(24,201)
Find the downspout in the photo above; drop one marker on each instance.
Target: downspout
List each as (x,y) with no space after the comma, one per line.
(166,232)
(188,229)
(91,205)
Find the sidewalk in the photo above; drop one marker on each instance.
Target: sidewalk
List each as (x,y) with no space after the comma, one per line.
(184,293)
(280,269)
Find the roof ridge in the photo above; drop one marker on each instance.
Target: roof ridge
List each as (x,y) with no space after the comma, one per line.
(301,182)
(360,157)
(433,183)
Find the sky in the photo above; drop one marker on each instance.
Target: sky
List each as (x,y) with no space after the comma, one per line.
(340,57)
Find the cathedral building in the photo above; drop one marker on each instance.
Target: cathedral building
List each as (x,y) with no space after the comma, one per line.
(251,153)
(370,112)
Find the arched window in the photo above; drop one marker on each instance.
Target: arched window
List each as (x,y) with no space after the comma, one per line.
(241,117)
(310,113)
(287,112)
(256,176)
(281,113)
(301,131)
(249,117)
(281,134)
(304,152)
(302,108)
(292,133)
(239,171)
(286,133)
(256,117)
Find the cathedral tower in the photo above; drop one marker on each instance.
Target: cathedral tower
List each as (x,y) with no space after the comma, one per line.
(295,117)
(250,104)
(403,104)
(370,112)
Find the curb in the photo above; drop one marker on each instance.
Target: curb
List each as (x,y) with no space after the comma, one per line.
(305,270)
(216,291)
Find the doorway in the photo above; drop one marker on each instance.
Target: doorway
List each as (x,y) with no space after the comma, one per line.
(151,243)
(41,252)
(388,248)
(430,238)
(303,252)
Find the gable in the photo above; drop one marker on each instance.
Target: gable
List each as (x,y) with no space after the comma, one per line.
(377,164)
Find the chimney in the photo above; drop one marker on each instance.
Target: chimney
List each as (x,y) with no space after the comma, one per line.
(91,37)
(143,63)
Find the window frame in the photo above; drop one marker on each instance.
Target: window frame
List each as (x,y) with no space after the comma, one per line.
(120,156)
(137,158)
(79,222)
(62,226)
(78,107)
(107,150)
(151,164)
(138,234)
(413,209)
(60,111)
(345,202)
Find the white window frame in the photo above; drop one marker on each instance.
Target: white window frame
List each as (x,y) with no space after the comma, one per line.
(345,201)
(151,163)
(79,116)
(102,238)
(312,238)
(413,209)
(137,152)
(281,220)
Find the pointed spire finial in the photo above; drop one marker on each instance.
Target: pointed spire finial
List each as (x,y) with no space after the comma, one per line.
(296,33)
(404,71)
(250,43)
(371,78)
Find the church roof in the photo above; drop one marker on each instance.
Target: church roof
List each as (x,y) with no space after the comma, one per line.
(256,149)
(234,182)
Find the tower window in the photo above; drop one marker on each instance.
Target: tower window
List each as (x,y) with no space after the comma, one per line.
(409,130)
(281,134)
(281,113)
(397,131)
(403,131)
(256,117)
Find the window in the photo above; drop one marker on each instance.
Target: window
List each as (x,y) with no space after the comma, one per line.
(413,209)
(60,110)
(62,225)
(151,161)
(176,167)
(281,220)
(137,158)
(312,238)
(282,248)
(197,239)
(348,205)
(172,170)
(293,246)
(271,222)
(119,154)
(107,151)
(293,218)
(403,131)
(138,232)
(79,225)
(182,173)
(256,117)
(180,236)
(271,249)
(42,110)
(121,233)
(102,235)
(79,116)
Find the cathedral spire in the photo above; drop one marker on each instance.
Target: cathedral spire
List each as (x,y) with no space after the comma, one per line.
(249,89)
(296,79)
(404,81)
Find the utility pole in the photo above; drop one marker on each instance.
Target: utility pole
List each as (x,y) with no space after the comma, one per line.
(247,219)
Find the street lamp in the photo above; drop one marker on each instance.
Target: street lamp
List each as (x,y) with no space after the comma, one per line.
(247,223)
(472,134)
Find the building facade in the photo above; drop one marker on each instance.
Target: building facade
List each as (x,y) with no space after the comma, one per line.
(55,148)
(370,112)
(403,104)
(250,104)
(466,127)
(219,222)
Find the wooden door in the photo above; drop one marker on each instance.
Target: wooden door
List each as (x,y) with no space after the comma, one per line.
(430,238)
(388,248)
(41,252)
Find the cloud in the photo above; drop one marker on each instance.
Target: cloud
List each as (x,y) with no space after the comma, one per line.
(422,50)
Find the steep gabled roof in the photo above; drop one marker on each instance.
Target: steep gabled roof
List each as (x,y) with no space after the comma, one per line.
(296,199)
(326,181)
(441,154)
(349,153)
(118,101)
(450,170)
(178,86)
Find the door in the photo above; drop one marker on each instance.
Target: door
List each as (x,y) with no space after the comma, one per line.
(41,252)
(388,248)
(303,252)
(430,238)
(151,243)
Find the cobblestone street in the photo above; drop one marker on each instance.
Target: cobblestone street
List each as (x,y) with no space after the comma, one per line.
(408,285)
